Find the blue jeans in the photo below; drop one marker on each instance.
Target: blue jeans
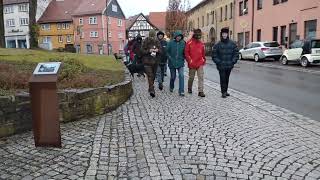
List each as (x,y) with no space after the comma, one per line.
(181,79)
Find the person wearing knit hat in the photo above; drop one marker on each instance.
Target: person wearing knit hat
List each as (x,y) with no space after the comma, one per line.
(163,61)
(151,51)
(196,58)
(225,55)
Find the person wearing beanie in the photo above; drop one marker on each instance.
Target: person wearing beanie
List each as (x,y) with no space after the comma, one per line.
(176,58)
(151,51)
(225,55)
(163,61)
(196,58)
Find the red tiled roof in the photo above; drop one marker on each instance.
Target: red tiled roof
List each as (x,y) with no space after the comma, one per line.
(158,19)
(59,11)
(90,7)
(7,2)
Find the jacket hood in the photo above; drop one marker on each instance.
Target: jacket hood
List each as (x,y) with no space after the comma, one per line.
(177,33)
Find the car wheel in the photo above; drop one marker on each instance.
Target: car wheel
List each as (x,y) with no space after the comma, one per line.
(304,62)
(284,60)
(256,58)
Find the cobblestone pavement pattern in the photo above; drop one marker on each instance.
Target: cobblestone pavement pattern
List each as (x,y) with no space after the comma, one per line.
(172,137)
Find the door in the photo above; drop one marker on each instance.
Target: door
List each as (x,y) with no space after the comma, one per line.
(295,51)
(292,33)
(246,51)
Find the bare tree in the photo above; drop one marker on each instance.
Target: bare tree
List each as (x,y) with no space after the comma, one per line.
(33,27)
(2,38)
(176,18)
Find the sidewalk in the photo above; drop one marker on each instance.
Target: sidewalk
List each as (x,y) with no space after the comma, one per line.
(172,137)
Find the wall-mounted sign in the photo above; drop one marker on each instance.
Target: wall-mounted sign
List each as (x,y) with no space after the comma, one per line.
(47,68)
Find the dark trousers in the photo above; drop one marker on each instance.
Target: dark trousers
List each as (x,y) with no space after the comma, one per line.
(224,79)
(151,71)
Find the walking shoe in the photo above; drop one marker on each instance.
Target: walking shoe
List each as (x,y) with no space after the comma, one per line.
(201,94)
(224,95)
(190,91)
(160,87)
(152,94)
(181,94)
(171,90)
(227,94)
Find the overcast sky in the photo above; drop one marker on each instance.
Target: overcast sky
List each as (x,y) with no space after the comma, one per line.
(133,7)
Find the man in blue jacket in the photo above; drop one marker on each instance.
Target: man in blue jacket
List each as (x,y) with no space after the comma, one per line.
(225,54)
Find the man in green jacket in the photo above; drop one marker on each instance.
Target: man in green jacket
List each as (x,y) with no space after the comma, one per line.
(176,57)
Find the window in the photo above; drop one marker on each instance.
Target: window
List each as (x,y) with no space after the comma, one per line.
(231,10)
(24,21)
(65,26)
(271,44)
(11,23)
(120,35)
(221,13)
(282,1)
(114,8)
(121,46)
(69,38)
(58,26)
(89,48)
(46,39)
(283,35)
(208,19)
(82,35)
(241,8)
(293,31)
(275,2)
(212,17)
(60,39)
(226,13)
(8,9)
(246,9)
(94,34)
(202,21)
(247,35)
(259,35)
(259,4)
(310,29)
(23,8)
(255,45)
(109,20)
(240,40)
(45,26)
(110,34)
(119,22)
(80,21)
(275,33)
(93,20)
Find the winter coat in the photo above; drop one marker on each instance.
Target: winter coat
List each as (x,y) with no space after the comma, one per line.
(150,43)
(195,54)
(164,57)
(225,54)
(175,51)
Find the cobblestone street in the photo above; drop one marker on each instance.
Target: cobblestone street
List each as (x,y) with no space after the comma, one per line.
(172,137)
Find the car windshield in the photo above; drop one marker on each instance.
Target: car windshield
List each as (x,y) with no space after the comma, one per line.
(271,44)
(297,44)
(315,44)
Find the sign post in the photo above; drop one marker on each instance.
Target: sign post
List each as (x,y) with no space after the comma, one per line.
(45,106)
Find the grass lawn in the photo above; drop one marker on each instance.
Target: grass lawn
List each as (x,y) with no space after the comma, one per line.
(77,71)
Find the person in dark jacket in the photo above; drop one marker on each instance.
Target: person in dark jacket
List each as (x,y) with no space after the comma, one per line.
(136,48)
(151,52)
(176,57)
(163,60)
(225,54)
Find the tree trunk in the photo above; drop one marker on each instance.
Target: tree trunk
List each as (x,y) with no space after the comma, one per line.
(33,28)
(2,38)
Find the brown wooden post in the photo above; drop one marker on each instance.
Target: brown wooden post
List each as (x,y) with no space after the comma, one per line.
(45,110)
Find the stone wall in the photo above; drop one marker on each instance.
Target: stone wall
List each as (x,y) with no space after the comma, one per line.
(15,111)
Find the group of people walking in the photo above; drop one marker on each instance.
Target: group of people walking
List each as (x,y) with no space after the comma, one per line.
(155,53)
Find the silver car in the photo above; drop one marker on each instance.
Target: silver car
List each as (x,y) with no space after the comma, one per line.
(261,50)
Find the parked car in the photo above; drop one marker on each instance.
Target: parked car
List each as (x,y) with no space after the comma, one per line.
(304,52)
(261,50)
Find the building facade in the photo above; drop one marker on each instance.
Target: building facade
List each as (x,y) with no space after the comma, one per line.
(56,27)
(211,16)
(141,25)
(100,29)
(283,21)
(16,18)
